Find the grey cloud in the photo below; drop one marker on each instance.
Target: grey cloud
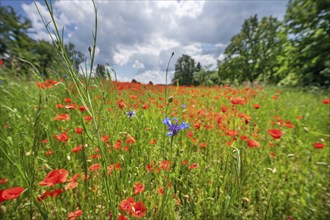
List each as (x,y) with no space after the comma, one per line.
(149,31)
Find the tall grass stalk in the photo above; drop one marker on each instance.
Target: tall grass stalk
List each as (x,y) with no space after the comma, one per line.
(83,90)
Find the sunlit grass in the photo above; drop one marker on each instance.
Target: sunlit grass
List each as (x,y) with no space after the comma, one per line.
(207,171)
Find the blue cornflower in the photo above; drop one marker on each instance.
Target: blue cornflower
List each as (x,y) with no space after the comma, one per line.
(130,114)
(174,128)
(183,106)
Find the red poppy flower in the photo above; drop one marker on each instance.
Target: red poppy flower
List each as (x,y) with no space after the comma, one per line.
(71,106)
(88,118)
(237,100)
(121,104)
(232,133)
(138,188)
(1,198)
(193,166)
(74,178)
(244,138)
(82,108)
(77,149)
(55,177)
(3,181)
(61,137)
(153,141)
(122,217)
(75,214)
(203,145)
(190,134)
(275,133)
(62,117)
(326,101)
(161,190)
(253,143)
(52,194)
(148,168)
(165,165)
(59,106)
(130,140)
(126,204)
(94,167)
(118,166)
(197,126)
(105,138)
(289,124)
(256,106)
(139,210)
(67,100)
(79,130)
(10,193)
(117,145)
(71,185)
(49,152)
(319,145)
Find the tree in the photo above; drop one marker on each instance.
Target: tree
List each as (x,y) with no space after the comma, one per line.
(100,71)
(14,41)
(203,76)
(227,70)
(13,31)
(46,60)
(308,25)
(253,49)
(184,71)
(25,55)
(76,57)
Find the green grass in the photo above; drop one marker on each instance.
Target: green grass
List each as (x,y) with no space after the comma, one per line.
(279,178)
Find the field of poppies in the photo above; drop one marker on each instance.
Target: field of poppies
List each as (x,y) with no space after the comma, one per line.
(129,151)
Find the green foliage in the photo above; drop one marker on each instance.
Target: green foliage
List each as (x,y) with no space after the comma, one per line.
(205,77)
(308,25)
(25,57)
(14,41)
(294,53)
(253,50)
(184,71)
(100,71)
(76,57)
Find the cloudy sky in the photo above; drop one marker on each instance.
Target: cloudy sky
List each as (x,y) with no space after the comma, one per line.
(138,37)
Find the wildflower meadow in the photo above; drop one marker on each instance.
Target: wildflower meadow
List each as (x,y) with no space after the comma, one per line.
(82,147)
(201,153)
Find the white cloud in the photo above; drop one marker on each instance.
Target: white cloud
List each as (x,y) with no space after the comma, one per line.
(143,34)
(138,65)
(155,76)
(221,57)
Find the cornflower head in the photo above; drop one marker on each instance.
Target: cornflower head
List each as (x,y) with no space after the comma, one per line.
(174,128)
(130,114)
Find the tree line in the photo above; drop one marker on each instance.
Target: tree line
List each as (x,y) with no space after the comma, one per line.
(292,52)
(21,55)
